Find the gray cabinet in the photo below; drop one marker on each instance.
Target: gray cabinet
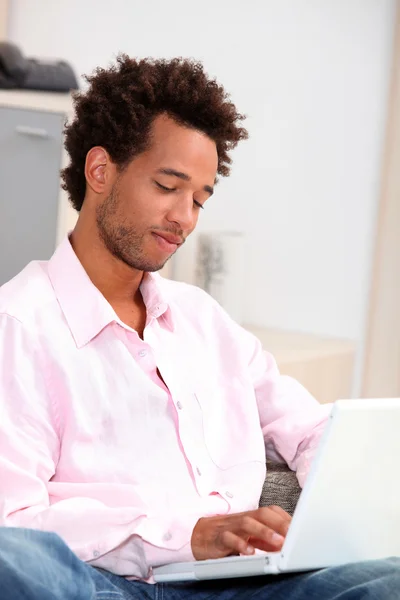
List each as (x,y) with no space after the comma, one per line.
(30,160)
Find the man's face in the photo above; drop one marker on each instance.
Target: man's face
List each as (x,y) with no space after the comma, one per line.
(155,203)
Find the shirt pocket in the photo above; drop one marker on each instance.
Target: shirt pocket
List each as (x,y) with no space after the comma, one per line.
(231,425)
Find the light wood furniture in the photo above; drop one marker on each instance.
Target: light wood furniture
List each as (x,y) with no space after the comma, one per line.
(323,365)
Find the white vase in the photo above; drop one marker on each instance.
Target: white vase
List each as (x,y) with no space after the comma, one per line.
(220,269)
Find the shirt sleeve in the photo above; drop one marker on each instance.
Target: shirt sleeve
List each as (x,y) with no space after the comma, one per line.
(128,558)
(29,452)
(292,420)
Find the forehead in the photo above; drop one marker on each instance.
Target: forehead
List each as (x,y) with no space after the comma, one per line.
(182,148)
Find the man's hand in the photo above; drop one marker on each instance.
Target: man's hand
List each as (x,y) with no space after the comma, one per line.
(224,535)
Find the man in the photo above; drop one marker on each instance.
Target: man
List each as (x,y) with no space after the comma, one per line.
(135,414)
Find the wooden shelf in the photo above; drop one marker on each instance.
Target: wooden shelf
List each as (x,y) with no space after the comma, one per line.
(323,365)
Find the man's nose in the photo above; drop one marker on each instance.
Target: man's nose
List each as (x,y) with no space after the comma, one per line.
(182,212)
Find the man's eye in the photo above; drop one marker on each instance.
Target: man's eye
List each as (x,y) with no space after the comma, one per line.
(167,189)
(163,187)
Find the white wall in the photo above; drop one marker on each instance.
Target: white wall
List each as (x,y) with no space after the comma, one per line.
(313,79)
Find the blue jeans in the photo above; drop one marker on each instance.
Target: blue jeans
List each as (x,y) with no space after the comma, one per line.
(36,565)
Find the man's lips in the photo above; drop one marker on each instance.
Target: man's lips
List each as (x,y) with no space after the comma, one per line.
(167,242)
(170,238)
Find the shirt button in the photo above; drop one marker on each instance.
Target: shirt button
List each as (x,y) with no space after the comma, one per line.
(198,471)
(229,494)
(179,405)
(167,536)
(142,353)
(96,554)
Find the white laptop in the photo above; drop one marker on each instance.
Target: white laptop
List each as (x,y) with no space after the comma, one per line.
(349,509)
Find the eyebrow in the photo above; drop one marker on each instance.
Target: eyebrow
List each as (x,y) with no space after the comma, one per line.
(184,177)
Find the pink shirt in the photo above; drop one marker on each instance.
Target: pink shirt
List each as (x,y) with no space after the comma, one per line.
(96,448)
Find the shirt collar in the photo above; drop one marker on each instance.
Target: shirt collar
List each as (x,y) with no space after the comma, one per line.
(86,310)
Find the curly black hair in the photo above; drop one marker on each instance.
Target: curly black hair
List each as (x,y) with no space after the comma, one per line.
(117,111)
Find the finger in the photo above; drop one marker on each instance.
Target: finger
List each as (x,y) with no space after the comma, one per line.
(272,519)
(285,515)
(265,546)
(250,527)
(235,543)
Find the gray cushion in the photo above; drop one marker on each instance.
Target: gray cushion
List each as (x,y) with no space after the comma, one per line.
(280,488)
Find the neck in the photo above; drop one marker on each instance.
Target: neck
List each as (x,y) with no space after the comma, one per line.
(117,282)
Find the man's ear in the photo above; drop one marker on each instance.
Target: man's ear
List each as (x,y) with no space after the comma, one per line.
(99,170)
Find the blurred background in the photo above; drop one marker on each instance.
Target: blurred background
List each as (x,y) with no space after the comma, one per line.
(315,190)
